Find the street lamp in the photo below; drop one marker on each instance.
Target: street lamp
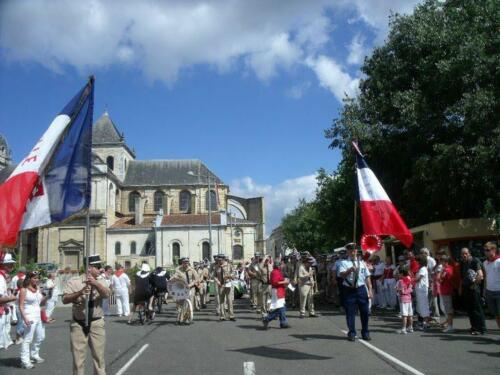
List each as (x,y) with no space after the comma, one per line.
(191,173)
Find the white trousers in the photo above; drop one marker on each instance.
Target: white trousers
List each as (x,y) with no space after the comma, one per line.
(122,302)
(32,339)
(390,292)
(6,330)
(105,306)
(379,297)
(2,329)
(422,302)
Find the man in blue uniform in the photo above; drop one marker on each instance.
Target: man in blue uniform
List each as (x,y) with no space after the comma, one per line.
(357,290)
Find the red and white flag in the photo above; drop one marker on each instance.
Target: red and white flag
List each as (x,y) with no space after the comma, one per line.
(378,214)
(50,183)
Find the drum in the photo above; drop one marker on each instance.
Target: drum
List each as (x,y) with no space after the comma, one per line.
(178,289)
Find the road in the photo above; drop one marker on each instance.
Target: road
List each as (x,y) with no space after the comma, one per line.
(310,346)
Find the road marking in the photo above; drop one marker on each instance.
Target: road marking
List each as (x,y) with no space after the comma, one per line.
(388,356)
(248,368)
(131,360)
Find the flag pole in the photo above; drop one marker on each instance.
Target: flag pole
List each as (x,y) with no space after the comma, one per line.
(87,225)
(355,222)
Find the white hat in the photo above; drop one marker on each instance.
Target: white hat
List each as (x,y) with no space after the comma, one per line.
(145,267)
(7,259)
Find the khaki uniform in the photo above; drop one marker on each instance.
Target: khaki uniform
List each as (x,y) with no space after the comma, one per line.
(306,289)
(256,285)
(204,277)
(95,338)
(266,287)
(189,276)
(224,274)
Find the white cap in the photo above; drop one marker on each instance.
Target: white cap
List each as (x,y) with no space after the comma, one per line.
(145,267)
(7,259)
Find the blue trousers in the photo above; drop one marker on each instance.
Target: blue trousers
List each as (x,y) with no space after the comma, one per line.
(356,298)
(278,313)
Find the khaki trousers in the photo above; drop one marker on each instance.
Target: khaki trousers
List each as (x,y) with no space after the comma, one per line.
(306,298)
(266,296)
(95,340)
(254,291)
(225,294)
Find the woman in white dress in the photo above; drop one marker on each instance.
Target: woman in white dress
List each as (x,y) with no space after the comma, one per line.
(120,283)
(30,301)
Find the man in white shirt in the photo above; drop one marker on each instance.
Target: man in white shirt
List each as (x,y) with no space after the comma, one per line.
(491,268)
(6,267)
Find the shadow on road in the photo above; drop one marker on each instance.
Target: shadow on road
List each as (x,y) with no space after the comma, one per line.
(489,354)
(9,362)
(318,337)
(266,351)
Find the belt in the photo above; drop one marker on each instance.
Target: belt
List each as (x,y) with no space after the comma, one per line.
(82,322)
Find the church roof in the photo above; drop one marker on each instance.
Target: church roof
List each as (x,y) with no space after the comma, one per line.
(4,147)
(168,172)
(105,131)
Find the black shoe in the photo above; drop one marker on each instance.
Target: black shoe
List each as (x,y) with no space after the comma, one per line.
(367,338)
(266,323)
(351,338)
(302,316)
(285,326)
(233,319)
(313,316)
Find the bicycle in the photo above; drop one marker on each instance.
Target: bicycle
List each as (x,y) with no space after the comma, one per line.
(181,294)
(144,313)
(158,302)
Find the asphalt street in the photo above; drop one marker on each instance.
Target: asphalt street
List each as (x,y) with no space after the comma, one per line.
(310,346)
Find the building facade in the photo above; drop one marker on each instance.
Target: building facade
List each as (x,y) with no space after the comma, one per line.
(149,210)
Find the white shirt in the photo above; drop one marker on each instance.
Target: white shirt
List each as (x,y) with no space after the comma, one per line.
(492,270)
(3,286)
(423,283)
(120,283)
(378,269)
(363,272)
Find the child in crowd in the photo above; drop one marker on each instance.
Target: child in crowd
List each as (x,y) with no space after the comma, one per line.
(422,293)
(404,289)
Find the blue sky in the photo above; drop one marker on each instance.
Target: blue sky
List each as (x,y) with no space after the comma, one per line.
(246,86)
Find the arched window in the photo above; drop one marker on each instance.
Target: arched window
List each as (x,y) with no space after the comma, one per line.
(205,251)
(158,201)
(213,201)
(131,200)
(124,165)
(185,201)
(149,248)
(133,247)
(118,248)
(176,252)
(117,200)
(237,252)
(110,161)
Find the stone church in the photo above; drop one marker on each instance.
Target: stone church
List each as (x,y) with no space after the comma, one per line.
(146,210)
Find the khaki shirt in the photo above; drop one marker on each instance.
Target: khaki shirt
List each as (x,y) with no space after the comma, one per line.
(266,272)
(180,274)
(223,273)
(203,275)
(79,307)
(306,277)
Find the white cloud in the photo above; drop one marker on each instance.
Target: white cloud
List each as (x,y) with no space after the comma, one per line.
(357,51)
(332,77)
(279,199)
(297,91)
(163,38)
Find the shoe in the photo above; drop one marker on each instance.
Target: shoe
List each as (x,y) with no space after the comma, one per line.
(37,360)
(351,338)
(313,316)
(401,331)
(474,333)
(302,316)
(233,319)
(27,366)
(265,322)
(222,319)
(367,338)
(409,330)
(19,341)
(285,326)
(448,329)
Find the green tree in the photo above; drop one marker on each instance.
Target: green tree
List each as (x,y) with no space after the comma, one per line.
(427,115)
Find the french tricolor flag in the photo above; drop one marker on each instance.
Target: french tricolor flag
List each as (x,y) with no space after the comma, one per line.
(378,214)
(51,183)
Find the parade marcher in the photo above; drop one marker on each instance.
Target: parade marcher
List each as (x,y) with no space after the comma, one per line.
(492,277)
(404,288)
(6,266)
(278,303)
(159,279)
(20,275)
(187,274)
(471,277)
(255,274)
(266,267)
(378,283)
(306,287)
(82,291)
(143,291)
(203,277)
(30,302)
(357,291)
(223,276)
(120,282)
(433,299)
(106,276)
(52,295)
